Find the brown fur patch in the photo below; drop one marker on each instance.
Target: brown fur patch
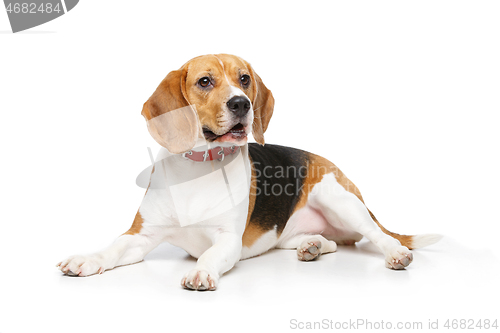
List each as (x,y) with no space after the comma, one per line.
(252,231)
(136,225)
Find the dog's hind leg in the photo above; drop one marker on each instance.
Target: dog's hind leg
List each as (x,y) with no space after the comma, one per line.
(344,210)
(309,247)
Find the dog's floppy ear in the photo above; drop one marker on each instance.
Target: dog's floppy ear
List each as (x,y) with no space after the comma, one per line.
(263,106)
(172,122)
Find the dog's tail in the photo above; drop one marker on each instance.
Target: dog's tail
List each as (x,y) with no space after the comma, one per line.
(411,242)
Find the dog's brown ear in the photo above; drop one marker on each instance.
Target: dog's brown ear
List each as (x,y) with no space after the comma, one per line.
(172,122)
(263,106)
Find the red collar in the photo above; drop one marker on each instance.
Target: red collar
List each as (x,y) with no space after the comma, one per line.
(216,153)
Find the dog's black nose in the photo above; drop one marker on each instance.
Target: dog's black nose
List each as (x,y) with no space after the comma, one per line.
(239,105)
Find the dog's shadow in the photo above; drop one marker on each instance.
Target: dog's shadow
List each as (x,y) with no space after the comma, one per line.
(166,251)
(363,247)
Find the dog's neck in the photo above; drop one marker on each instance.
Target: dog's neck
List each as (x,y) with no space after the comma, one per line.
(181,163)
(207,154)
(204,151)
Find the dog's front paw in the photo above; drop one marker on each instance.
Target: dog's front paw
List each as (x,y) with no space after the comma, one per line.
(81,266)
(398,258)
(199,280)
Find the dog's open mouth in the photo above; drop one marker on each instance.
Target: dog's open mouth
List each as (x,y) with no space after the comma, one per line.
(237,132)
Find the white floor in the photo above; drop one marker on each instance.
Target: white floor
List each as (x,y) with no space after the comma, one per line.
(402,96)
(272,292)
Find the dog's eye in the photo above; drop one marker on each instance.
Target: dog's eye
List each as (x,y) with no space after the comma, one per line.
(204,82)
(245,80)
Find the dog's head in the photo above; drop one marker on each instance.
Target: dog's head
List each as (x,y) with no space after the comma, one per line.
(229,98)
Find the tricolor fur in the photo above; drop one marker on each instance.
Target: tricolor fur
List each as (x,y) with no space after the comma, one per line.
(297,200)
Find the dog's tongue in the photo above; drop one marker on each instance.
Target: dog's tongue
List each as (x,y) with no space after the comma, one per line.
(230,136)
(237,132)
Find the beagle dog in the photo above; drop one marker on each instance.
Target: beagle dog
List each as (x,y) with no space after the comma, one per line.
(222,199)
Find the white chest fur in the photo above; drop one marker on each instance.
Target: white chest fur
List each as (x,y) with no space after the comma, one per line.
(191,202)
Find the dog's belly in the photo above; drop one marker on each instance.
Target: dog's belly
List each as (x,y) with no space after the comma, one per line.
(308,220)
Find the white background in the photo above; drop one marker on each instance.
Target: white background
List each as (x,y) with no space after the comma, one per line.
(403,96)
